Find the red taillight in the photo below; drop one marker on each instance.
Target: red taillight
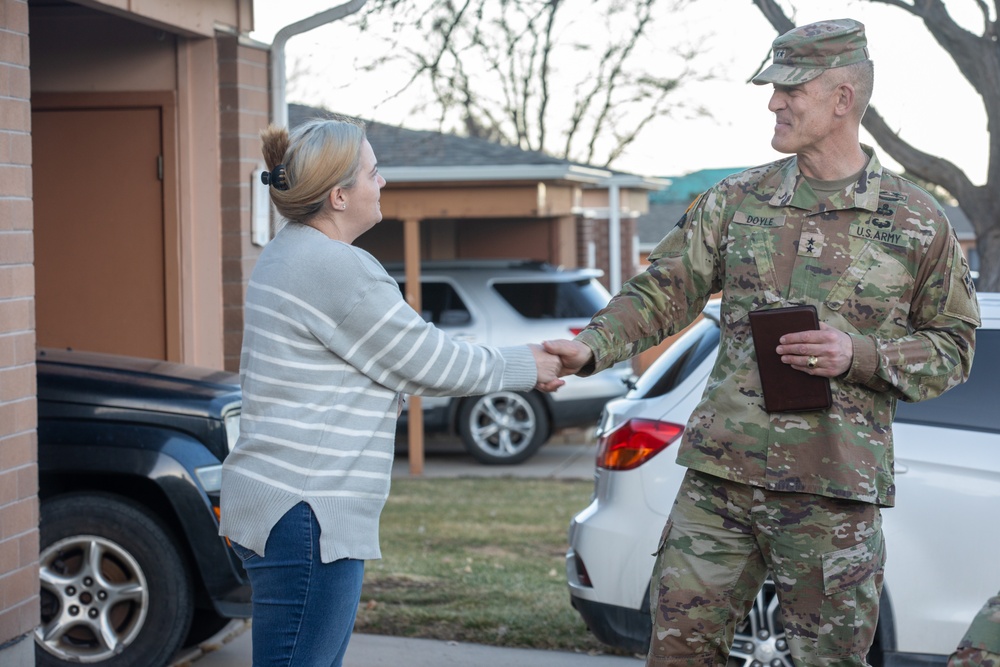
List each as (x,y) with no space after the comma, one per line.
(581,572)
(635,442)
(576,330)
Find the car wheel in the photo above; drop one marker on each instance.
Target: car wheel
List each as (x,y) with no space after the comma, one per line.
(115,589)
(503,427)
(760,638)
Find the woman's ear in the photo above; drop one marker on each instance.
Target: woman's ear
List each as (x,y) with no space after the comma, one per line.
(337,200)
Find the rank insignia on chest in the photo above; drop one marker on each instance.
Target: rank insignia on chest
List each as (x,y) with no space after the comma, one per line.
(810,244)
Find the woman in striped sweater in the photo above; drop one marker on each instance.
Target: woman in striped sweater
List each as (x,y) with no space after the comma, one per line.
(329,349)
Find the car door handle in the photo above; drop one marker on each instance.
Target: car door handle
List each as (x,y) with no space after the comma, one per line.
(464,337)
(899,468)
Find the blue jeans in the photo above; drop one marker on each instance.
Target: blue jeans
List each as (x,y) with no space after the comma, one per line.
(303,609)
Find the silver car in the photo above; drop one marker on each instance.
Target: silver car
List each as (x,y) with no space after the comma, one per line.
(510,302)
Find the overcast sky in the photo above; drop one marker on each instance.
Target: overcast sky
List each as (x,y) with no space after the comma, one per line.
(918,89)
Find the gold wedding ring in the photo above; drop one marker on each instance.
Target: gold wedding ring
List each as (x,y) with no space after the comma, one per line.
(811,363)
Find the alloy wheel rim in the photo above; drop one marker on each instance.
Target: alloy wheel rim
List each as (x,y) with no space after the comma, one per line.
(760,640)
(502,424)
(95,599)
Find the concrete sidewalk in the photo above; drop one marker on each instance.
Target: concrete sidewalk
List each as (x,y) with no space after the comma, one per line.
(383,651)
(569,455)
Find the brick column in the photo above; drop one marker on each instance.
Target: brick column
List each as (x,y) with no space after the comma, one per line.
(19,610)
(630,264)
(243,102)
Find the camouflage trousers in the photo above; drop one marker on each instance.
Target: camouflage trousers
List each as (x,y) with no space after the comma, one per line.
(981,645)
(825,556)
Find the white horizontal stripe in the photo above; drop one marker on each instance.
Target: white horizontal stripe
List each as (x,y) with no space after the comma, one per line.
(431,361)
(260,377)
(278,316)
(311,494)
(310,472)
(316,407)
(325,428)
(284,363)
(305,345)
(393,344)
(376,392)
(296,300)
(469,358)
(378,325)
(336,453)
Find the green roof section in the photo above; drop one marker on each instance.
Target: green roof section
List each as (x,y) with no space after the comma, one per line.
(683,189)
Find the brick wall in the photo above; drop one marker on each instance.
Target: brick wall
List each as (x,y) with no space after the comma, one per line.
(243,109)
(18,416)
(596,231)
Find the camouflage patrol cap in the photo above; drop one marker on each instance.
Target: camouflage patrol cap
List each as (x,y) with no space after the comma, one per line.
(803,53)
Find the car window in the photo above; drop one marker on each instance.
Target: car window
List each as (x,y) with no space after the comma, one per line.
(678,361)
(970,406)
(559,300)
(441,305)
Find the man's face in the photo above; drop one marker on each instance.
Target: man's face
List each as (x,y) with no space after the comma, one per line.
(803,114)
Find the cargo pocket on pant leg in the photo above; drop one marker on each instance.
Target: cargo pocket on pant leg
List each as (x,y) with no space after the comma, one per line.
(852,582)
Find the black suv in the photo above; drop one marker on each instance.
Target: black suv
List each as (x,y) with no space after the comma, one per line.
(129,455)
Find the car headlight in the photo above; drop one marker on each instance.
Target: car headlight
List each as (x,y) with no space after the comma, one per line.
(232,424)
(210,478)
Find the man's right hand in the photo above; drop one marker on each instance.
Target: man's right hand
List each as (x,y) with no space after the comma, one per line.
(574,354)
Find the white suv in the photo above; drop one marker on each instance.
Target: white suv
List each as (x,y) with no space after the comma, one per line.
(511,302)
(941,538)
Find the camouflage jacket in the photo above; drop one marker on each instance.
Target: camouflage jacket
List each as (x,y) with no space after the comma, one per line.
(879,261)
(983,635)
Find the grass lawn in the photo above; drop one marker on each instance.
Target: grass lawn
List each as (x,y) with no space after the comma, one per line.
(477,560)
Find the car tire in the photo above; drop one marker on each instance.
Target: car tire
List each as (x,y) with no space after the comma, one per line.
(504,427)
(107,562)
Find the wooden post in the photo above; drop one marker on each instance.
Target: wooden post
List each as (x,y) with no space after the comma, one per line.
(415,418)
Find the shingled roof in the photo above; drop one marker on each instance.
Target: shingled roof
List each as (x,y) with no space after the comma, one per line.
(426,156)
(401,147)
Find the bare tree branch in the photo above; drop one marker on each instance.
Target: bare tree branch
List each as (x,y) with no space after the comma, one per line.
(517,69)
(617,72)
(545,72)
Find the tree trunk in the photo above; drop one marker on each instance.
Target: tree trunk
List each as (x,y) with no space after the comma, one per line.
(988,245)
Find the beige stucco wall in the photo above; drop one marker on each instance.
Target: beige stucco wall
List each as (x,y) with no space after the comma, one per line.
(71,45)
(187,17)
(79,50)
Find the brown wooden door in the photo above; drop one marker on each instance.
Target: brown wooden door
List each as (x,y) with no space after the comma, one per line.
(99,230)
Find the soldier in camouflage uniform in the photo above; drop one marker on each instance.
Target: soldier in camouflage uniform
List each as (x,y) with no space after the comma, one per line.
(981,645)
(797,494)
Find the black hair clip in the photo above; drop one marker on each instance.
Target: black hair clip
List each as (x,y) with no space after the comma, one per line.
(277,177)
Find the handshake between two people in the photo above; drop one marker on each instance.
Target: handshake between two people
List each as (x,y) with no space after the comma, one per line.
(556,359)
(827,352)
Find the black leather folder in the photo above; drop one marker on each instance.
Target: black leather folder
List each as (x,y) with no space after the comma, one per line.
(786,389)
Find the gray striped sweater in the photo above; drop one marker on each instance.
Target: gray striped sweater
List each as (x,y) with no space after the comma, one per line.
(329,343)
